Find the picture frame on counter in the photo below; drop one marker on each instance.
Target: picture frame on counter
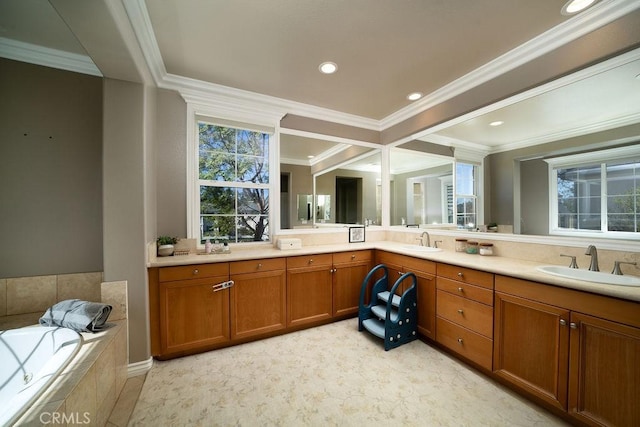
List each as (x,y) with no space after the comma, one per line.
(356,234)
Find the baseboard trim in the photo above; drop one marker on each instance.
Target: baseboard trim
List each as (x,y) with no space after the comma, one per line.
(139,368)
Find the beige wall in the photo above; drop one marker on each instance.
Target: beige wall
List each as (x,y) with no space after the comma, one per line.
(125,201)
(50,171)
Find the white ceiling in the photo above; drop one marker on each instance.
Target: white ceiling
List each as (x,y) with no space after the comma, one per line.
(384,50)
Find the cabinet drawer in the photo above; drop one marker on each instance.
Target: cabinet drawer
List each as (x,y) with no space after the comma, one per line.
(466,290)
(257,265)
(466,275)
(418,265)
(388,258)
(464,312)
(310,261)
(351,256)
(195,271)
(467,343)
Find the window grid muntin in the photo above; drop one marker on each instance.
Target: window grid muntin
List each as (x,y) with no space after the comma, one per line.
(236,182)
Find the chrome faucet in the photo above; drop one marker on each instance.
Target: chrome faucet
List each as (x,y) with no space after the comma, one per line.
(424,233)
(593,253)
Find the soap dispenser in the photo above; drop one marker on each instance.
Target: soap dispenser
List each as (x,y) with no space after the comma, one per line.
(207,247)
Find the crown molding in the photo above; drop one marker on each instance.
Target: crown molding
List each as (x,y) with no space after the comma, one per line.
(599,15)
(47,57)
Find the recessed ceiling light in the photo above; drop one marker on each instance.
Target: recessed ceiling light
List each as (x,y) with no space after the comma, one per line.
(575,6)
(328,67)
(414,96)
(496,123)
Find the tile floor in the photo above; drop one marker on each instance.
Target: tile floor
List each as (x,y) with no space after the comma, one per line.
(326,376)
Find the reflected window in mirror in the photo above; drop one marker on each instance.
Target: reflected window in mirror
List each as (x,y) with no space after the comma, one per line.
(596,192)
(421,188)
(467,195)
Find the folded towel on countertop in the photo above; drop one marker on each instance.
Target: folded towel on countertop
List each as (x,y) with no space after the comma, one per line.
(81,316)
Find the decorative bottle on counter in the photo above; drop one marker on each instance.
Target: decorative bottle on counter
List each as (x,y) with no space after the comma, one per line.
(461,245)
(472,247)
(486,249)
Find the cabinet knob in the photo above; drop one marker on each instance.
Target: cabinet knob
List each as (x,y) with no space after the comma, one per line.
(310,260)
(353,257)
(460,311)
(460,341)
(259,265)
(563,322)
(460,274)
(573,325)
(195,271)
(460,290)
(400,273)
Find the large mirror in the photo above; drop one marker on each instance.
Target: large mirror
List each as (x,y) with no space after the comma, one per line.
(328,183)
(594,109)
(422,188)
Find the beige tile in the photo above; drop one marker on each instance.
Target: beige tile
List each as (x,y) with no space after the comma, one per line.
(126,401)
(84,286)
(30,294)
(115,294)
(82,399)
(3,297)
(105,407)
(122,357)
(106,373)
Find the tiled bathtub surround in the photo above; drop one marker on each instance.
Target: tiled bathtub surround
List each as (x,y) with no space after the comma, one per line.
(88,388)
(22,295)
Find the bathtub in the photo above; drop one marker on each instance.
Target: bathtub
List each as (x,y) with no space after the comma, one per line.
(31,358)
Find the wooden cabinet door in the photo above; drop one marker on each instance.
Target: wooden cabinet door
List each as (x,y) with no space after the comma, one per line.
(309,295)
(604,385)
(258,303)
(193,315)
(531,347)
(426,304)
(347,283)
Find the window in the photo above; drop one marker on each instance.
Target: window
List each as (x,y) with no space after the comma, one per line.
(466,195)
(600,196)
(233,183)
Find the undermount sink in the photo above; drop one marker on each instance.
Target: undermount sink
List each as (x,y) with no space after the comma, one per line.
(590,276)
(418,248)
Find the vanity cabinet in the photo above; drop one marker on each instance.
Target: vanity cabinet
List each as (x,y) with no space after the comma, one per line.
(349,270)
(576,351)
(464,312)
(309,289)
(258,297)
(193,307)
(425,272)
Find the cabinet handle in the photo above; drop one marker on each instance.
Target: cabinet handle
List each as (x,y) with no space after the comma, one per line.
(333,270)
(259,266)
(353,257)
(460,311)
(400,273)
(460,274)
(460,341)
(195,271)
(222,286)
(310,260)
(460,290)
(563,322)
(573,325)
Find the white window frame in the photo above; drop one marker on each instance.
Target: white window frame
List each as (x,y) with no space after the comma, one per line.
(478,162)
(221,115)
(592,158)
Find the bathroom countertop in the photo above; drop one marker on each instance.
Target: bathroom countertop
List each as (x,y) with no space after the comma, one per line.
(494,264)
